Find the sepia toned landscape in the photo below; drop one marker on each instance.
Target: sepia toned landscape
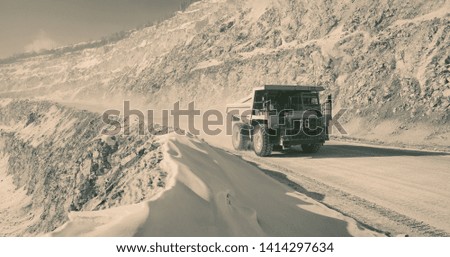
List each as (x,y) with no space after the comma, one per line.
(383,172)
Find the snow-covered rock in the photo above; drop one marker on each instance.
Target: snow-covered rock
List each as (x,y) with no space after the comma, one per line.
(53,160)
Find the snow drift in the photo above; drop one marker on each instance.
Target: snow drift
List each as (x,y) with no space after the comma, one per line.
(213,193)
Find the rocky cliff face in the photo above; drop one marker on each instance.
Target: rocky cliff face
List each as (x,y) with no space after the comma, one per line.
(54,160)
(385,61)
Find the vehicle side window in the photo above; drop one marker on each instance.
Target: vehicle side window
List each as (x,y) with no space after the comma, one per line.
(310,99)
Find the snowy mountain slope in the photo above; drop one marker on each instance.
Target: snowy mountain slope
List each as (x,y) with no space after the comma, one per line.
(385,61)
(86,73)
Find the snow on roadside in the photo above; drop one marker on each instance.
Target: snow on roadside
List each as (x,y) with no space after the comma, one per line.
(212,193)
(119,221)
(223,195)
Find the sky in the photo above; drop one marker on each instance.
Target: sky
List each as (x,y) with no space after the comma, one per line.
(31,25)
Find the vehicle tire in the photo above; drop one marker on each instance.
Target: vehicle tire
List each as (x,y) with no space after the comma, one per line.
(261,141)
(311,148)
(240,137)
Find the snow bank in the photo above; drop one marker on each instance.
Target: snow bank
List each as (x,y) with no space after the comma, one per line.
(213,193)
(218,194)
(120,221)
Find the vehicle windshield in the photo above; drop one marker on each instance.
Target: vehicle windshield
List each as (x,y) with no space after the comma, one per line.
(285,100)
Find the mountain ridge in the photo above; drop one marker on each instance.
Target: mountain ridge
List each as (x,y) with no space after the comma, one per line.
(383,61)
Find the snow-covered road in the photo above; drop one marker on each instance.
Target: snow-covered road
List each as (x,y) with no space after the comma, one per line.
(394,190)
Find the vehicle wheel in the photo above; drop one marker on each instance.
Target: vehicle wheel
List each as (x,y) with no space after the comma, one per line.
(261,141)
(311,148)
(240,138)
